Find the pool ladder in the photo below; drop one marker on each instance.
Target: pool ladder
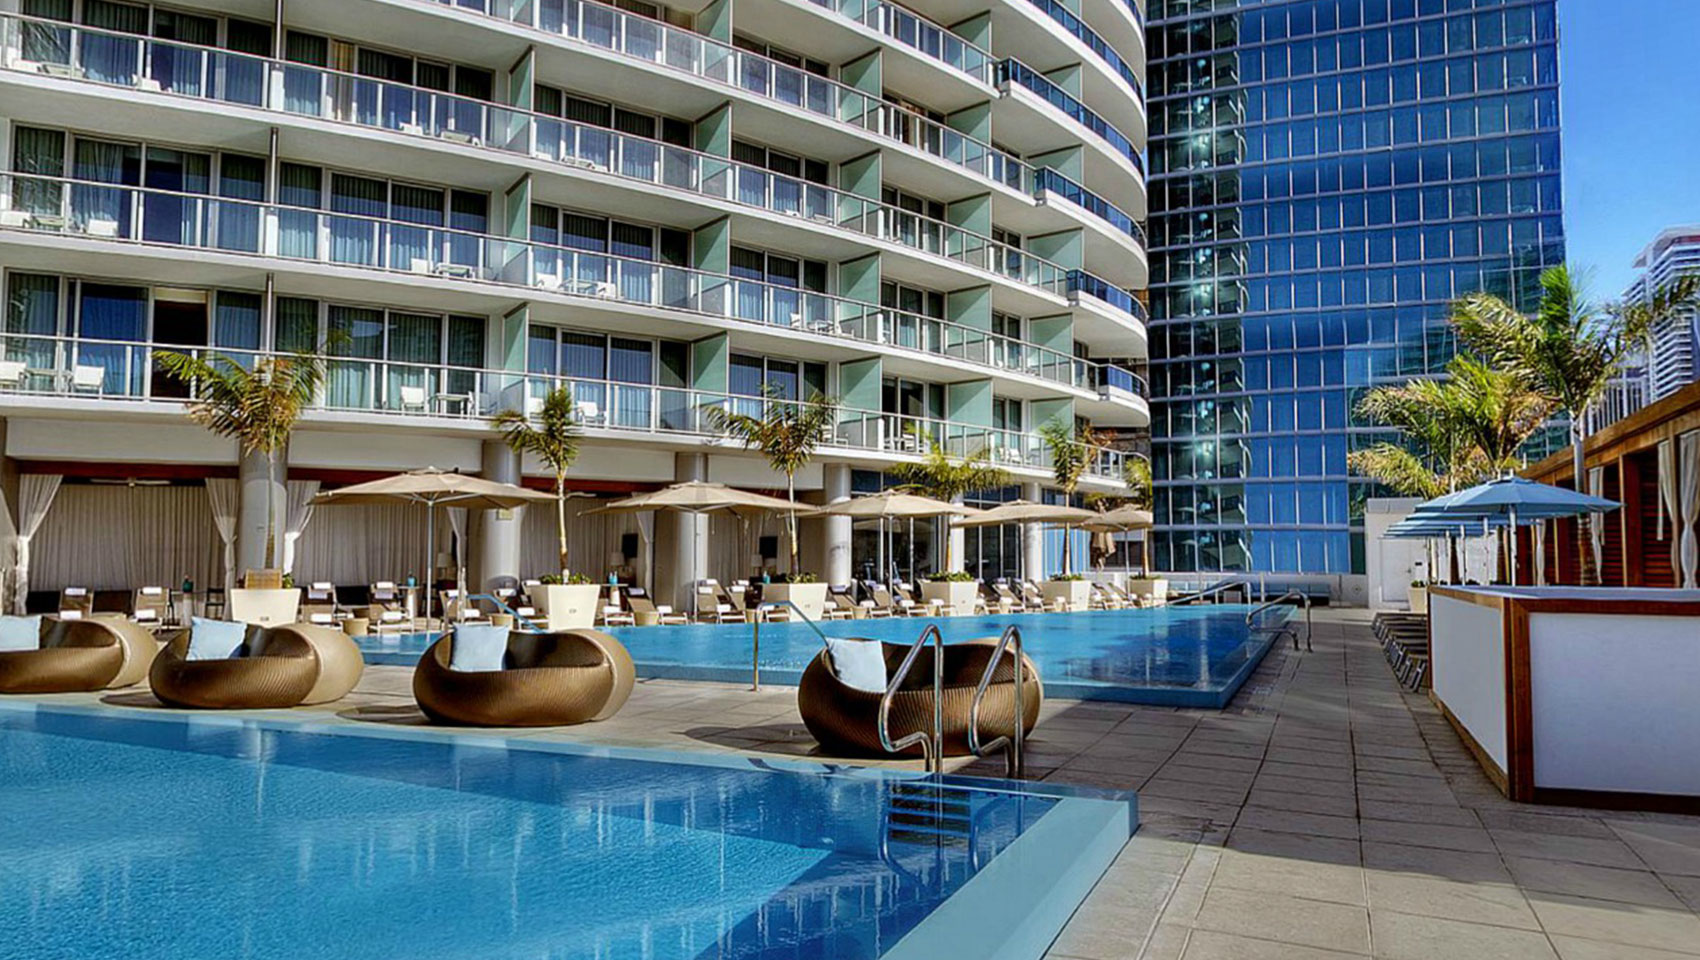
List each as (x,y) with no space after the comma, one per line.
(1304,601)
(932,741)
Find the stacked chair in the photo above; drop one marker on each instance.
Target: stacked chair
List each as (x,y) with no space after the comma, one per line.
(1404,638)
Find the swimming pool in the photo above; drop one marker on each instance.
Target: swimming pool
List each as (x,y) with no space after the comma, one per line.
(146,837)
(1184,656)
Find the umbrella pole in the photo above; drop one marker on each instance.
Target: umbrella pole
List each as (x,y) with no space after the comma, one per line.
(430,546)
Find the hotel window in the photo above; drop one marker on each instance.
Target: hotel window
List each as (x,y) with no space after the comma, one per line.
(427,225)
(781,181)
(909,226)
(613,378)
(600,115)
(382,98)
(912,303)
(769,288)
(376,352)
(752,377)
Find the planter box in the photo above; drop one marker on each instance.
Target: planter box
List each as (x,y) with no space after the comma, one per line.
(958,597)
(1075,594)
(567,606)
(809,597)
(1153,591)
(1419,599)
(268,608)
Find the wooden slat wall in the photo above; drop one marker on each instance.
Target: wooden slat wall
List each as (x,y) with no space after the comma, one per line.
(1655,566)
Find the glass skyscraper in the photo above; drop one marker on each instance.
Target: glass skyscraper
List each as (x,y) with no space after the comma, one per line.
(1325,175)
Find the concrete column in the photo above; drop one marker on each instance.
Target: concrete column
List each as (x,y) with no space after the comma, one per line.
(1032,538)
(958,544)
(261,504)
(495,534)
(834,532)
(681,540)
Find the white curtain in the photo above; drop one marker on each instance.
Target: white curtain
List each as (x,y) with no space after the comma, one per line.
(36,492)
(298,512)
(1539,534)
(352,545)
(109,537)
(224,496)
(1668,508)
(1597,522)
(457,523)
(1690,455)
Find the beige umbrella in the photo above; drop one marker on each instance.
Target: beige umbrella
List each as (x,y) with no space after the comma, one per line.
(1121,518)
(895,505)
(697,496)
(1025,512)
(434,488)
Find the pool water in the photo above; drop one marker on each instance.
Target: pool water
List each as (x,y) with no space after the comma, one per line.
(169,837)
(1189,656)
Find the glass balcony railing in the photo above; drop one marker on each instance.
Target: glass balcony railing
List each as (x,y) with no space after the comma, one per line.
(1068,20)
(1081,282)
(107,211)
(130,370)
(916,32)
(346,98)
(1014,71)
(1049,180)
(675,48)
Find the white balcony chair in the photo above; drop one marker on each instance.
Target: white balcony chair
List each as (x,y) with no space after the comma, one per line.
(85,379)
(590,413)
(613,616)
(101,227)
(14,218)
(412,399)
(12,373)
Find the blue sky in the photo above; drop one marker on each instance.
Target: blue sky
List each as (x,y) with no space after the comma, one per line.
(1630,105)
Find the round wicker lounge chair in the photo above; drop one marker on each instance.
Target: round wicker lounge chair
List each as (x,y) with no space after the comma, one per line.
(846,721)
(547,680)
(92,653)
(282,666)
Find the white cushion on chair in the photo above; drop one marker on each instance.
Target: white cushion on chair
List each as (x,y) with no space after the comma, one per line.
(858,664)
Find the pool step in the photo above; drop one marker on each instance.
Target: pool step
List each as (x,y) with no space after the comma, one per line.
(926,815)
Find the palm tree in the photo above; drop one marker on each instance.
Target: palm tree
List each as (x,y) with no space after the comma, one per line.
(1136,473)
(1072,454)
(944,477)
(787,434)
(257,407)
(1569,349)
(554,439)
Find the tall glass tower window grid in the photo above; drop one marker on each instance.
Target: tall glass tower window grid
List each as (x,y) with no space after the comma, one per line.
(1327,176)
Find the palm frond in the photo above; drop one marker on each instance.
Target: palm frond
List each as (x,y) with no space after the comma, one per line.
(944,477)
(1398,469)
(552,436)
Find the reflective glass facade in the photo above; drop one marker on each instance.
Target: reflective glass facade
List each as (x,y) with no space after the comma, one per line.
(1326,176)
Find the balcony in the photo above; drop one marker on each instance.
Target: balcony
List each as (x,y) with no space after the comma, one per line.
(1014,71)
(1067,19)
(38,368)
(918,33)
(159,218)
(203,73)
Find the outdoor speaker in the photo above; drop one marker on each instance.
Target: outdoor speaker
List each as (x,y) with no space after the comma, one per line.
(629,545)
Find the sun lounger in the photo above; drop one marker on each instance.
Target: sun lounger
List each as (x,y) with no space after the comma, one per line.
(150,606)
(282,666)
(546,679)
(643,606)
(79,654)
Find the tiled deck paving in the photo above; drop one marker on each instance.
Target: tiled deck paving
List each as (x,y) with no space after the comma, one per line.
(1325,814)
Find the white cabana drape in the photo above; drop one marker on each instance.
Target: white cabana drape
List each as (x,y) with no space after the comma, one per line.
(1597,522)
(223,495)
(36,492)
(351,545)
(1690,457)
(457,523)
(1539,533)
(108,537)
(298,512)
(1668,509)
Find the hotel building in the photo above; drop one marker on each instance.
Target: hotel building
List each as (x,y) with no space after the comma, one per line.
(932,213)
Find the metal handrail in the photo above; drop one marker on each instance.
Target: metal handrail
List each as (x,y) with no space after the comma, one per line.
(755,636)
(1212,590)
(1014,761)
(528,623)
(932,747)
(1304,601)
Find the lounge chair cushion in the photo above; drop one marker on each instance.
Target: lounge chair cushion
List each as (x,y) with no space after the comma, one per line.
(214,639)
(20,633)
(478,648)
(858,664)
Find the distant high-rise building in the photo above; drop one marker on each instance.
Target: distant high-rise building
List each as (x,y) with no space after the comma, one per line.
(1326,176)
(1673,356)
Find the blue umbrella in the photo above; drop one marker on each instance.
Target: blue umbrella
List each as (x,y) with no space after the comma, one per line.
(1514,497)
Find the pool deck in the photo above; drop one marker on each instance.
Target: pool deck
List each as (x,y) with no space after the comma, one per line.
(1324,814)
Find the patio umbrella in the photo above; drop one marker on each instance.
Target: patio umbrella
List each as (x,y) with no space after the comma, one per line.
(698,496)
(1513,498)
(1026,511)
(1121,519)
(895,505)
(433,488)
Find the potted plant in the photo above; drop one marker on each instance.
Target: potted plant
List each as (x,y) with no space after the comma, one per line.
(802,590)
(787,434)
(956,589)
(258,408)
(1418,595)
(566,600)
(1071,454)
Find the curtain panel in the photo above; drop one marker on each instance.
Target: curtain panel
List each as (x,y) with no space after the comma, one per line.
(121,538)
(1690,456)
(36,492)
(223,496)
(298,511)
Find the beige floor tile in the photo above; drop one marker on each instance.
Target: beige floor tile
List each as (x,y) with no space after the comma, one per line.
(1333,806)
(1590,850)
(1444,814)
(1402,936)
(1676,930)
(1666,847)
(1310,923)
(1214,945)
(1576,948)
(1500,904)
(1309,824)
(1435,862)
(1600,883)
(1311,879)
(1469,839)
